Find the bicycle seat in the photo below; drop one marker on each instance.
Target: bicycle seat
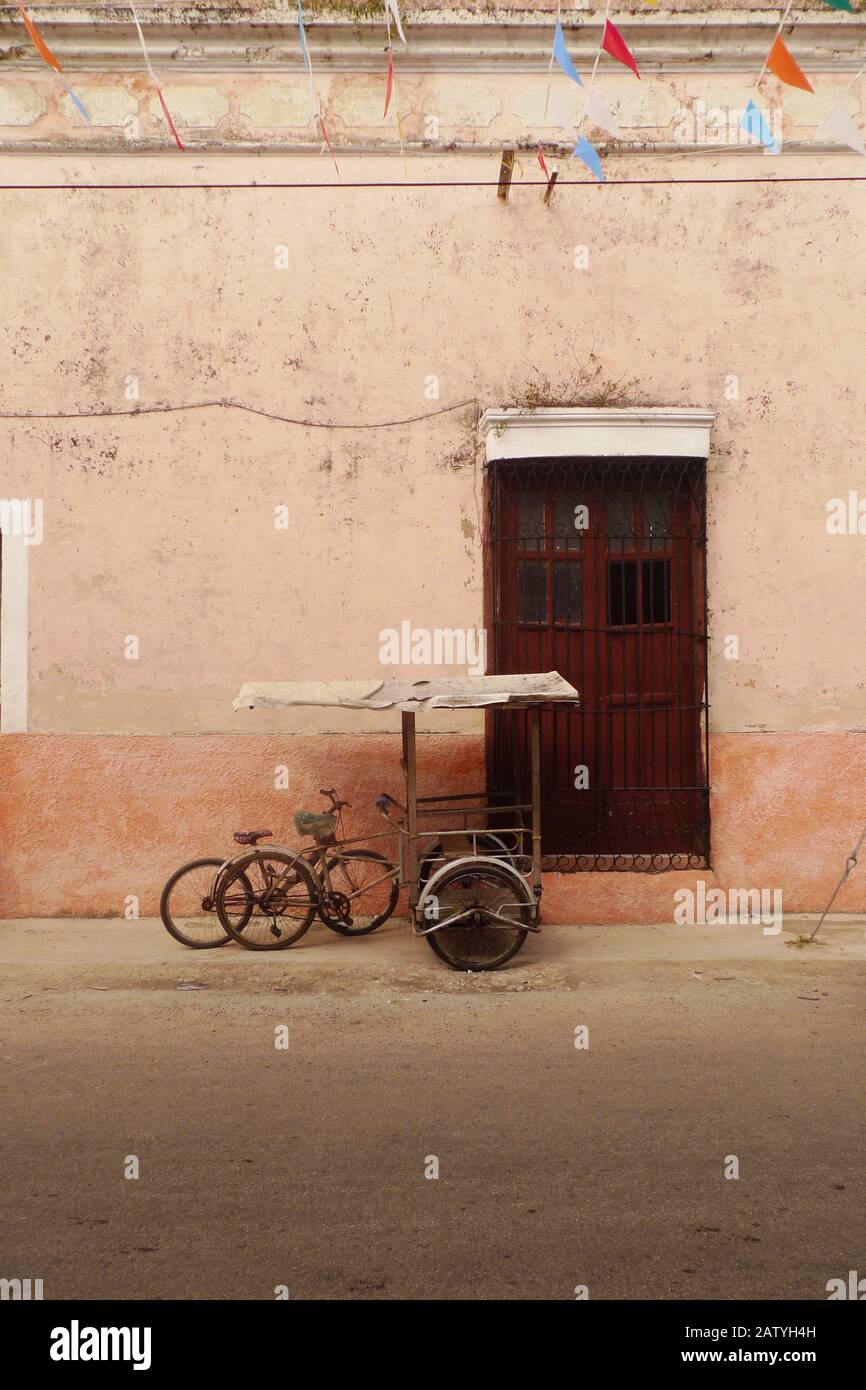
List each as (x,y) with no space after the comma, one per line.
(249,837)
(318,825)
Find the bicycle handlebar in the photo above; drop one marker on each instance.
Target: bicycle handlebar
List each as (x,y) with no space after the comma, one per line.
(335,804)
(384,801)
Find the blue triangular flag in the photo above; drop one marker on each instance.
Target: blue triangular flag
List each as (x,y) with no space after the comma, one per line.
(589,154)
(79,105)
(303,34)
(562,55)
(755,124)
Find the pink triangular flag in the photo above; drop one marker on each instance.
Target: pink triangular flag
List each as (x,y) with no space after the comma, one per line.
(389,82)
(844,127)
(600,114)
(556,112)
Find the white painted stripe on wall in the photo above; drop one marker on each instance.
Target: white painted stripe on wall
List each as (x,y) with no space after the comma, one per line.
(14,636)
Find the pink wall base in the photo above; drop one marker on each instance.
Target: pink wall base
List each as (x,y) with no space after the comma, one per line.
(88,821)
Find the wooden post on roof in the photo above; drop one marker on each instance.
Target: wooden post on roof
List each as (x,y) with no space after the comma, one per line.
(506,170)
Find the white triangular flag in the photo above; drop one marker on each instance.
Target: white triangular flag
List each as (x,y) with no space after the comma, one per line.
(600,114)
(844,127)
(556,112)
(392,6)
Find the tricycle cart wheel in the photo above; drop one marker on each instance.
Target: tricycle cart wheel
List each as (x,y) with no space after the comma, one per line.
(484,908)
(491,846)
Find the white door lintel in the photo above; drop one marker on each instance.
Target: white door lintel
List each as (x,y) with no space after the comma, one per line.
(595,432)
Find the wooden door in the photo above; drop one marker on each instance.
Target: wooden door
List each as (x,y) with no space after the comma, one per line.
(597,571)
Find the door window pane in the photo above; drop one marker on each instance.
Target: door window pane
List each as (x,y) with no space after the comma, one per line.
(622,592)
(571,522)
(568,592)
(656,521)
(530,520)
(620,523)
(656,595)
(532,591)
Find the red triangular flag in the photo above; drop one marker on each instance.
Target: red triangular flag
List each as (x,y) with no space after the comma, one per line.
(324,134)
(542,162)
(786,68)
(389,81)
(167,114)
(613,43)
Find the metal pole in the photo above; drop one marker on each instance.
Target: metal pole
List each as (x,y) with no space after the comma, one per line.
(409,767)
(850,865)
(535,744)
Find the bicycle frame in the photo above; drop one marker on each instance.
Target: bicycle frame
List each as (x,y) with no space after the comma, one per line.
(316,856)
(247,854)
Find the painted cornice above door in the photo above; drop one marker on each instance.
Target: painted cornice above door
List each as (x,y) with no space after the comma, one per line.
(596,432)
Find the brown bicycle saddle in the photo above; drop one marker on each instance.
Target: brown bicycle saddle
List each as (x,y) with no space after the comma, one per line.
(249,837)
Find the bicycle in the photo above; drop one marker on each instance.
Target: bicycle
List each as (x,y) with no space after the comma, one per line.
(353,891)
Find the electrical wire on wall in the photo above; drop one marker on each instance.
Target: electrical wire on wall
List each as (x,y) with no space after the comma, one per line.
(232,405)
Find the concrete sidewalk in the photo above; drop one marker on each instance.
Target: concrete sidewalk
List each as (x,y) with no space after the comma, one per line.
(130,945)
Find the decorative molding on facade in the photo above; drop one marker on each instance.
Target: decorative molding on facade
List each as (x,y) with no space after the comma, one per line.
(234,80)
(196,39)
(592,432)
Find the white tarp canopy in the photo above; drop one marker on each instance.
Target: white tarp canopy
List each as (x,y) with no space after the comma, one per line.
(448,692)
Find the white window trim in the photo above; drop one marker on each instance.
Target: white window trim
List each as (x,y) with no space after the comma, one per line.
(14,639)
(593,432)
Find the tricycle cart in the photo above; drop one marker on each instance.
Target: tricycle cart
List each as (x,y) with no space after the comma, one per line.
(471,863)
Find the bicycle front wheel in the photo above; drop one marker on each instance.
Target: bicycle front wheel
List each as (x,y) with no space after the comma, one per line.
(285,896)
(368,882)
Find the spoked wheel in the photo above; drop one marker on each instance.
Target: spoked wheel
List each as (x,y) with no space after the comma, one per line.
(284,899)
(483,907)
(188,905)
(365,898)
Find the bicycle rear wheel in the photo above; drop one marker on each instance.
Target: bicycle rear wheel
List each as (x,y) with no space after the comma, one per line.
(188,905)
(285,896)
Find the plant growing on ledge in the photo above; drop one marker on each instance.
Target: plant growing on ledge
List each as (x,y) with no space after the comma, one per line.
(589,387)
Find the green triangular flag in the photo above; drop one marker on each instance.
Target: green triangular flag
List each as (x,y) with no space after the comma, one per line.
(840,5)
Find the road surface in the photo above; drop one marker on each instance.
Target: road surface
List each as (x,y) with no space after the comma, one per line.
(310,1168)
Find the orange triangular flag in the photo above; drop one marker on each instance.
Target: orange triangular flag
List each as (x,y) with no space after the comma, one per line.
(786,68)
(38,42)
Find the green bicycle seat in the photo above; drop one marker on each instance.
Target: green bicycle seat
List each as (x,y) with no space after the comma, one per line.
(317,825)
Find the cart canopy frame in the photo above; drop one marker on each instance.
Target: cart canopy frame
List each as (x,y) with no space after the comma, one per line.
(445,692)
(531,690)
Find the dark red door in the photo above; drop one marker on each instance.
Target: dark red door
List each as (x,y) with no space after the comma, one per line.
(598,573)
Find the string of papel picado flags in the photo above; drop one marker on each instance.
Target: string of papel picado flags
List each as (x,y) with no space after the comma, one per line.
(596,112)
(780,63)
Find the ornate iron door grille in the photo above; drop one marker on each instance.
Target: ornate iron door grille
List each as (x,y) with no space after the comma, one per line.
(597,569)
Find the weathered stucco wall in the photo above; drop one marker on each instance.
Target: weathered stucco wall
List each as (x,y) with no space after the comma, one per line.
(323,301)
(162,526)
